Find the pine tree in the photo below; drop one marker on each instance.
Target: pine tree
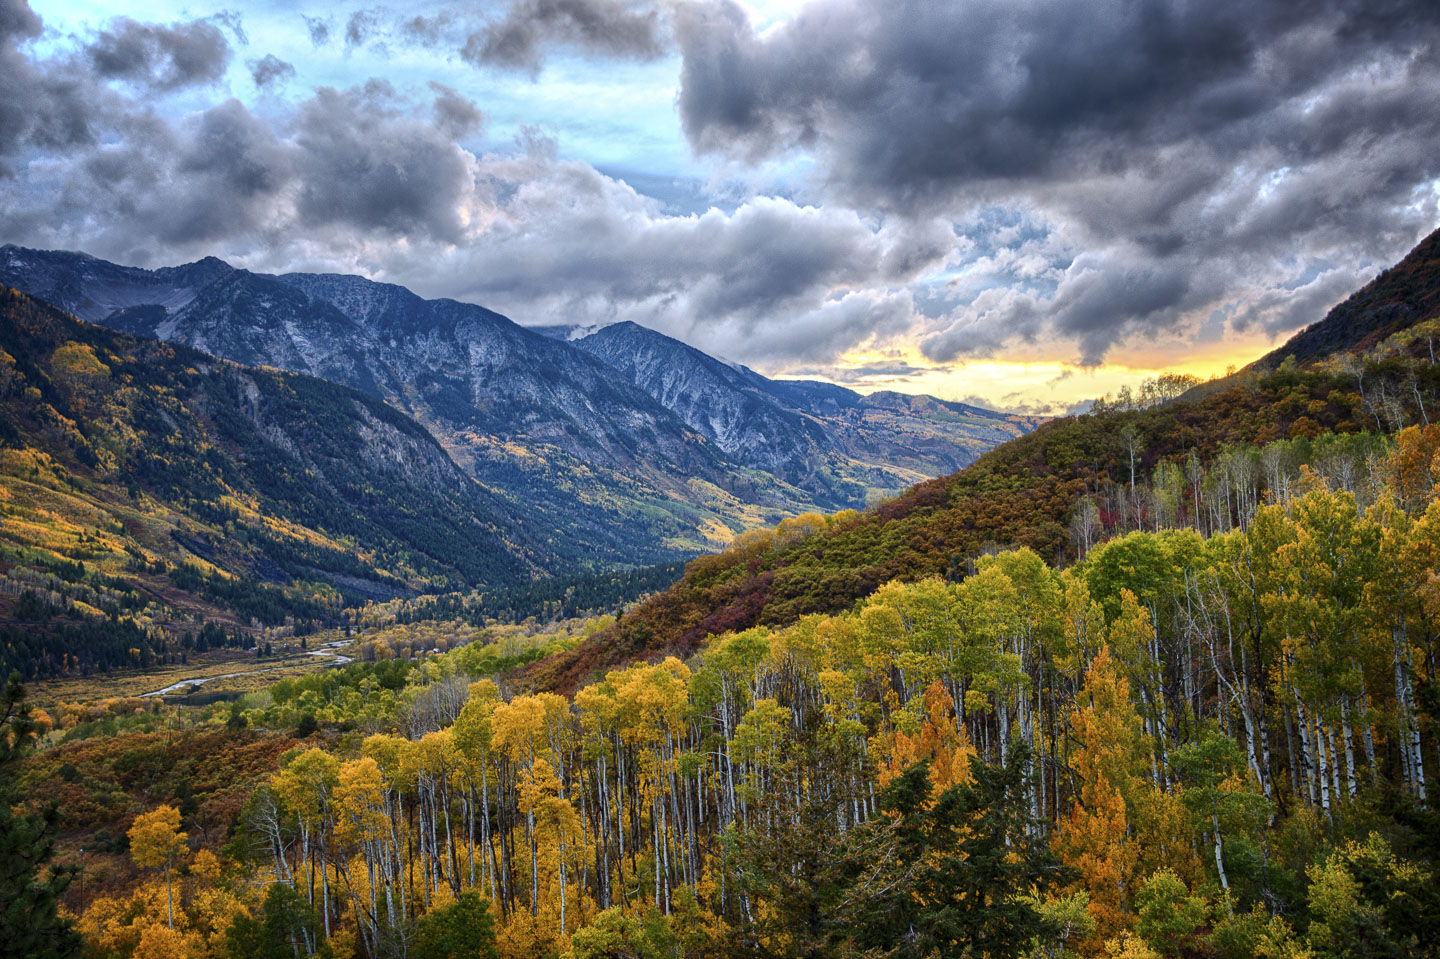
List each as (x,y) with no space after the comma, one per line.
(963,869)
(30,925)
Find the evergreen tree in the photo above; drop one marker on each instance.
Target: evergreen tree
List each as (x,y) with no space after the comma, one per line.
(969,868)
(800,890)
(286,928)
(30,925)
(462,930)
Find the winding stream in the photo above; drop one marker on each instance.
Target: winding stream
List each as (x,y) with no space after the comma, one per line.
(330,650)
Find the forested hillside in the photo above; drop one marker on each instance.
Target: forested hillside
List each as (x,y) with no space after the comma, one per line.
(1172,463)
(1401,296)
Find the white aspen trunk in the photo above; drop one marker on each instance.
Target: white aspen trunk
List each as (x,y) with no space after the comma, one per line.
(1349,740)
(1334,762)
(1219,857)
(325,889)
(604,839)
(1307,757)
(1265,753)
(560,848)
(423,841)
(534,862)
(655,830)
(1039,814)
(1003,712)
(1407,767)
(1290,737)
(1414,726)
(1367,735)
(467,813)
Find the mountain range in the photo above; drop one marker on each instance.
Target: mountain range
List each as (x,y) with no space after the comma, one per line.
(620,447)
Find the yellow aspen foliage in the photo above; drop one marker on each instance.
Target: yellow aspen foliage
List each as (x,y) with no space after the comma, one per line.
(1084,624)
(359,802)
(1414,463)
(115,924)
(155,842)
(1161,827)
(941,741)
(557,833)
(1128,946)
(1132,632)
(1094,839)
(162,942)
(213,904)
(524,937)
(206,867)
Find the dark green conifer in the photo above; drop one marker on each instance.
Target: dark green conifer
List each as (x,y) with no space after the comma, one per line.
(30,924)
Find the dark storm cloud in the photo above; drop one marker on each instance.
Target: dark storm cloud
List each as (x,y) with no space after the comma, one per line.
(911,99)
(17,21)
(529,27)
(231,169)
(159,57)
(61,103)
(1089,174)
(456,115)
(427,31)
(270,69)
(770,281)
(119,177)
(371,180)
(19,110)
(365,163)
(1184,146)
(234,22)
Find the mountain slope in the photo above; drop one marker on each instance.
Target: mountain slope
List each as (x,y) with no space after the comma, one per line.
(709,396)
(593,466)
(189,483)
(1400,297)
(846,448)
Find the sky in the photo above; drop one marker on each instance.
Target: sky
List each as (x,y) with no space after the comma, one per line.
(1020,203)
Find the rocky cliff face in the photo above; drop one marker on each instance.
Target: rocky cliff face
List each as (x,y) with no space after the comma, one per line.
(714,399)
(822,437)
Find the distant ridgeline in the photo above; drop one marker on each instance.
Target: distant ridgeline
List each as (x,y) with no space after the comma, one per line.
(622,448)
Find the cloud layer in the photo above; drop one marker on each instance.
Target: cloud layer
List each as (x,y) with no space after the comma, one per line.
(1187,156)
(967,178)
